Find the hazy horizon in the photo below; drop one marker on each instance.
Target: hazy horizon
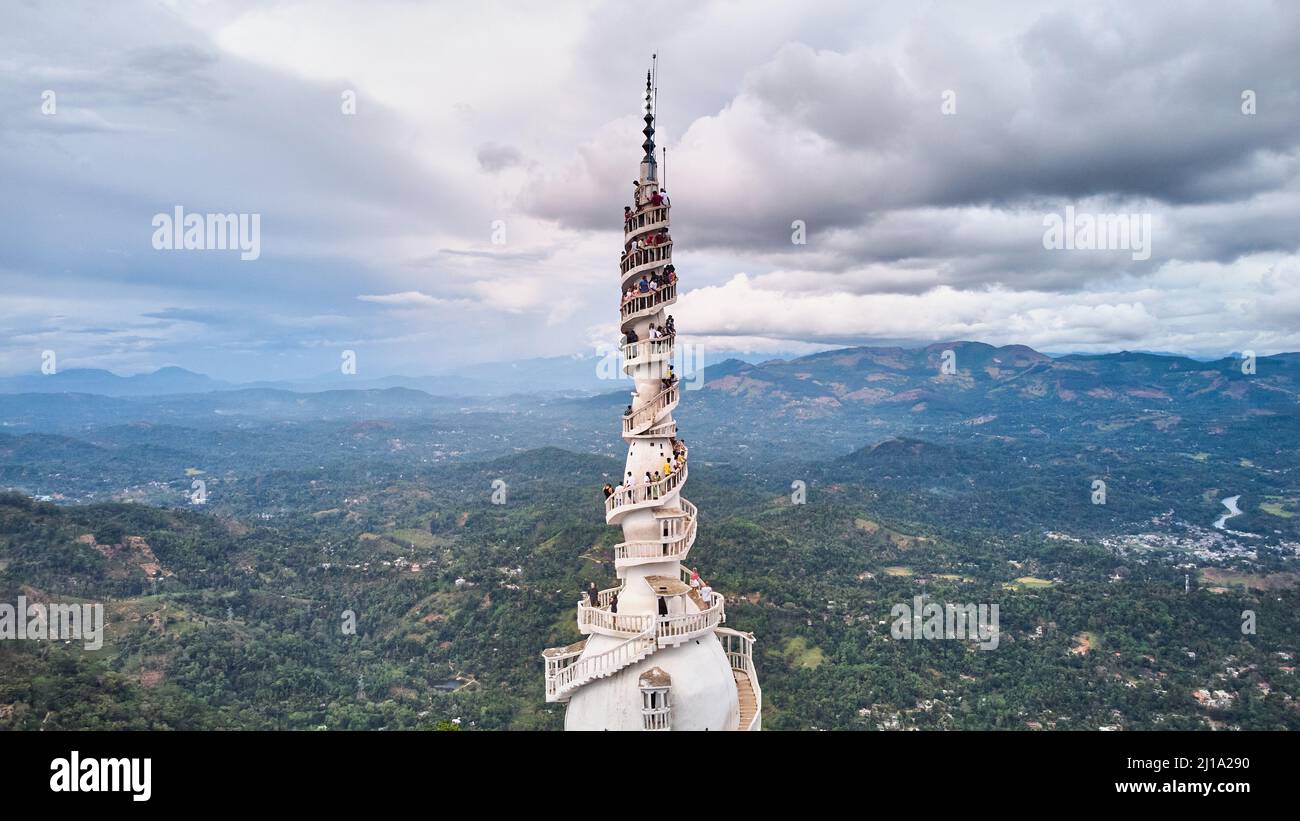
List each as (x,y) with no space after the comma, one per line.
(324,373)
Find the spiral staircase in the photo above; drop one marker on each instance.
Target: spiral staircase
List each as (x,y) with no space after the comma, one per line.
(653,507)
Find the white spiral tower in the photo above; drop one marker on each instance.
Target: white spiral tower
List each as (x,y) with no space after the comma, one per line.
(656,656)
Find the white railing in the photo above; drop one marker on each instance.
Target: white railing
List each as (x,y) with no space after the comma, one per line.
(669,630)
(645,494)
(642,303)
(691,510)
(739,648)
(668,429)
(661,430)
(646,350)
(601,620)
(648,256)
(676,544)
(559,658)
(604,597)
(650,219)
(644,416)
(673,630)
(659,718)
(577,673)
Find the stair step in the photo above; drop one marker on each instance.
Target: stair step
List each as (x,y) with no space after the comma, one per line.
(745,695)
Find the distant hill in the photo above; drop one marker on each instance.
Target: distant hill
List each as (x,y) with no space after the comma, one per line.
(106,383)
(985,378)
(580,374)
(813,407)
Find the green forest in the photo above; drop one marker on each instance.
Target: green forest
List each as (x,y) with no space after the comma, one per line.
(221,618)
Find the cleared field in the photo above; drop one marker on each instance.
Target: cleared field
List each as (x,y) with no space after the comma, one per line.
(900,540)
(1232,578)
(1084,643)
(419,538)
(796,652)
(1030,582)
(1281,506)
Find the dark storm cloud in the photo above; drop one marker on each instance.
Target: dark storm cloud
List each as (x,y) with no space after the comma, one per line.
(1126,108)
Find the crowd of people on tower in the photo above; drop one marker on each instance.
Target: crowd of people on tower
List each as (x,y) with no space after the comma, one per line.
(645,242)
(654,333)
(647,286)
(656,199)
(654,483)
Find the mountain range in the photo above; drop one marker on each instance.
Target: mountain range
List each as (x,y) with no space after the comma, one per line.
(555,374)
(866,375)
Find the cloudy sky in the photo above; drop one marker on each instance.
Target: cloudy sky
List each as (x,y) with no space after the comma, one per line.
(921,144)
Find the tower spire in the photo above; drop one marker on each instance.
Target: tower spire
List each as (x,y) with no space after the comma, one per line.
(648,165)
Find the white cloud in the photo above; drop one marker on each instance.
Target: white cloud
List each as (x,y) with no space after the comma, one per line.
(1202,308)
(405,298)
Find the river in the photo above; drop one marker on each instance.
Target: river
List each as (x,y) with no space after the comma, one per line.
(1231,504)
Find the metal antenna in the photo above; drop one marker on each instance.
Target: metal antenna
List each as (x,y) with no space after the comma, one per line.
(654,72)
(654,68)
